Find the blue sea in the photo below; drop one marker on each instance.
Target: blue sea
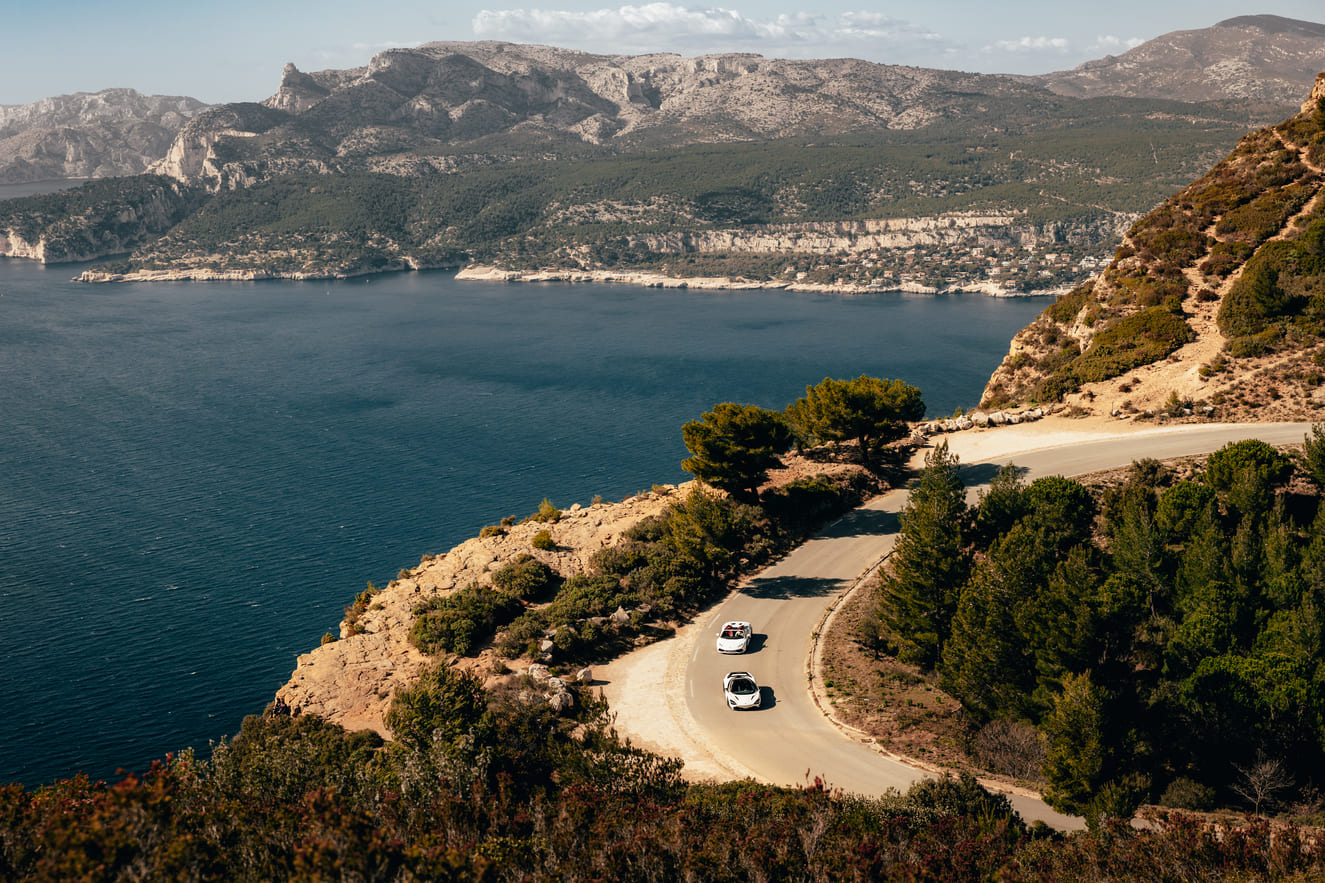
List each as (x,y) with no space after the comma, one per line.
(195,479)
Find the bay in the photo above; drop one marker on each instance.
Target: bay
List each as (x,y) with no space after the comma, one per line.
(196,478)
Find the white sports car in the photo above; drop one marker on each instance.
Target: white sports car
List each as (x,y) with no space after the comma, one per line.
(734,637)
(741,690)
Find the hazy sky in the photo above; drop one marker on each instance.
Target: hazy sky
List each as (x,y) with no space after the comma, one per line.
(234,51)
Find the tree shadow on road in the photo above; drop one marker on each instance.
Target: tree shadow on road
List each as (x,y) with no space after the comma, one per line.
(862,522)
(783,587)
(983,473)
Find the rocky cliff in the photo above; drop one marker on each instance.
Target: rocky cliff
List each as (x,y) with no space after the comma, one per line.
(89,135)
(350,680)
(1213,305)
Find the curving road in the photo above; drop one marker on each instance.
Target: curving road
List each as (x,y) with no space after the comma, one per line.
(789,741)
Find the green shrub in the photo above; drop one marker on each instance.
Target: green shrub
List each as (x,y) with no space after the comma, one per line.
(802,506)
(462,622)
(526,578)
(279,757)
(522,636)
(547,513)
(1139,339)
(1251,346)
(543,541)
(1064,310)
(1184,793)
(443,705)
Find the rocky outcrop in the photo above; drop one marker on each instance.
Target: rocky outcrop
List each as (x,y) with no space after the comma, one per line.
(89,135)
(984,420)
(480,273)
(350,681)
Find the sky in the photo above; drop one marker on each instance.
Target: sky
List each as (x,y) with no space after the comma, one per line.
(235,51)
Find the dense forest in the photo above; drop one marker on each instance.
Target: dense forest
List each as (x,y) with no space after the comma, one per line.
(1165,635)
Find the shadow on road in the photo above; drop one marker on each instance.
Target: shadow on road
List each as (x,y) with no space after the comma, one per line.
(783,587)
(983,473)
(862,522)
(767,699)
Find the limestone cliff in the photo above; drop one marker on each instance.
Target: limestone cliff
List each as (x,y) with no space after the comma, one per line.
(89,135)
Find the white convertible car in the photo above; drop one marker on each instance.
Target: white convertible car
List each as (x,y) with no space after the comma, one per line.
(741,690)
(734,637)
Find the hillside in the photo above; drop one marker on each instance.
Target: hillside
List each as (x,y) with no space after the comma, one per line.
(1262,57)
(1214,304)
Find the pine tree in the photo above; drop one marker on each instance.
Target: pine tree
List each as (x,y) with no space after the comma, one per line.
(1076,757)
(928,566)
(734,446)
(866,410)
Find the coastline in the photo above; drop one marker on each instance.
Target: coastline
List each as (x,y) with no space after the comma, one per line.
(491,273)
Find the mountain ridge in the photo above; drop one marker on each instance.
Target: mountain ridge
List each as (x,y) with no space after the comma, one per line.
(1264,57)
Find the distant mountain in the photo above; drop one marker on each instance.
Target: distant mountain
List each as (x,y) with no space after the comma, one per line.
(1257,57)
(726,165)
(448,105)
(1213,305)
(451,104)
(89,135)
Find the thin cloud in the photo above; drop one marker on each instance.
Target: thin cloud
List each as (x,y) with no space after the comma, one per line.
(1110,44)
(664,26)
(1031,45)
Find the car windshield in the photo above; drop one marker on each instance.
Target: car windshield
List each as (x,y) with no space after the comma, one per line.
(742,686)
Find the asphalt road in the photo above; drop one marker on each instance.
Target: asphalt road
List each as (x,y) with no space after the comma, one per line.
(789,741)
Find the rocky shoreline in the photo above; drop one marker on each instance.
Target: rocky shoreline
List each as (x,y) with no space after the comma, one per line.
(485,273)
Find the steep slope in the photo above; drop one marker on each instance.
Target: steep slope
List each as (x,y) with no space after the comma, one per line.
(1258,57)
(1214,304)
(89,135)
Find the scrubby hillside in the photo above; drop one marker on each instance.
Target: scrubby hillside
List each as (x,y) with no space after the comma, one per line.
(1213,305)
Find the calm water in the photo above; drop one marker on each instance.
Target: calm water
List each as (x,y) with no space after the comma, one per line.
(196,478)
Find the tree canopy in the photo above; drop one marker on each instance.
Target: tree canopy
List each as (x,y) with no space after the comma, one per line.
(733,447)
(867,410)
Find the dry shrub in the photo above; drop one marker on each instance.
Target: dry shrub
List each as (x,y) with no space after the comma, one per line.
(1011,748)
